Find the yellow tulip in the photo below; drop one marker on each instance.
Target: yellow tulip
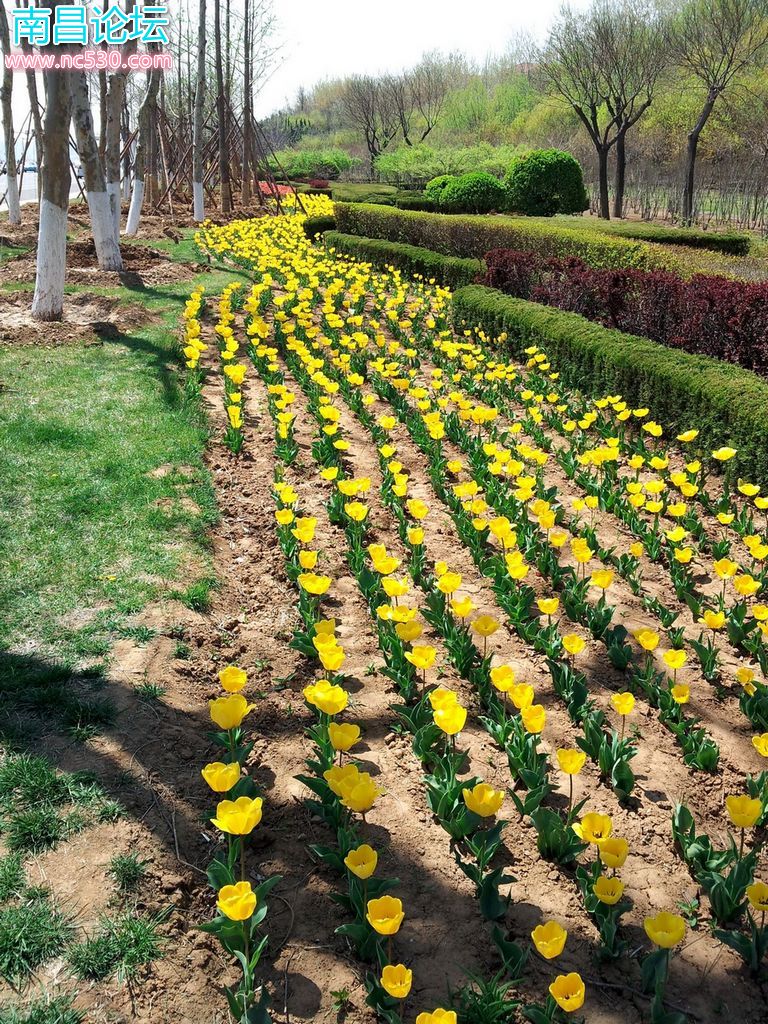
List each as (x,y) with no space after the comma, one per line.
(568,991)
(571,761)
(314,584)
(328,698)
(608,890)
(614,851)
(451,718)
(534,718)
(503,678)
(522,695)
(723,454)
(757,894)
(238,817)
(462,606)
(356,511)
(415,536)
(760,743)
(743,810)
(232,678)
(593,828)
(228,712)
(602,578)
(485,625)
(307,559)
(725,568)
(483,799)
(221,777)
(385,915)
(681,693)
(332,656)
(361,795)
(237,902)
(438,1016)
(548,605)
(449,583)
(665,930)
(417,509)
(675,659)
(573,643)
(421,657)
(409,631)
(396,980)
(440,697)
(549,939)
(623,703)
(362,861)
(343,737)
(712,620)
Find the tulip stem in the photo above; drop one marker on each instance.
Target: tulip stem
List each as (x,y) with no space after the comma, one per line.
(741,844)
(242,858)
(623,723)
(570,795)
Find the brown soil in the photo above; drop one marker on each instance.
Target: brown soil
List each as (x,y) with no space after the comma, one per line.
(142,266)
(88,319)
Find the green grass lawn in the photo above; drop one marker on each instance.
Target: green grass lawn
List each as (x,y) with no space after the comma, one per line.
(89,532)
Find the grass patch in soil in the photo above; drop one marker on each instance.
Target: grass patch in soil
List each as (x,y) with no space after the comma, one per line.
(32,931)
(121,946)
(43,1011)
(127,870)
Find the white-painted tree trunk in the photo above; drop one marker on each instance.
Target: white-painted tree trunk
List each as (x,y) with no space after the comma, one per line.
(113,191)
(51,262)
(12,199)
(198,201)
(105,239)
(103,227)
(134,212)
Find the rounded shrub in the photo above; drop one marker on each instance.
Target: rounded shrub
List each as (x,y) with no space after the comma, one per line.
(434,189)
(476,192)
(545,182)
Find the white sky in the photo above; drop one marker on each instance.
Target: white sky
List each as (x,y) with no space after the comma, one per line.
(330,38)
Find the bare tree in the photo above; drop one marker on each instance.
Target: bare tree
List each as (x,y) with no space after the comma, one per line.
(9,138)
(631,47)
(102,225)
(48,300)
(369,105)
(430,82)
(115,100)
(715,41)
(198,194)
(222,116)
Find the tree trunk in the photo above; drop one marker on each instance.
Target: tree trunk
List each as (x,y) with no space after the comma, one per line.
(690,159)
(34,106)
(103,117)
(115,99)
(48,301)
(198,194)
(148,105)
(620,175)
(225,184)
(6,108)
(104,239)
(245,194)
(602,163)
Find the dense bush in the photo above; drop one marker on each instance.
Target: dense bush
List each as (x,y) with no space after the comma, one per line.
(476,192)
(727,404)
(446,270)
(474,236)
(545,182)
(313,163)
(435,188)
(406,201)
(713,316)
(318,225)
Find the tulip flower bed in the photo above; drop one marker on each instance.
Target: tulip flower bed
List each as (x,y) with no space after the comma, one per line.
(571,644)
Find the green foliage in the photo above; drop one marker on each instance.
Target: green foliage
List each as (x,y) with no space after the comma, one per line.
(31,933)
(730,242)
(318,225)
(43,1011)
(313,163)
(727,404)
(451,271)
(471,236)
(12,878)
(476,192)
(413,166)
(545,182)
(121,946)
(127,870)
(435,188)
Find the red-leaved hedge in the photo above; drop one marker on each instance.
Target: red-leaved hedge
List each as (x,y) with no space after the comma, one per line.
(713,316)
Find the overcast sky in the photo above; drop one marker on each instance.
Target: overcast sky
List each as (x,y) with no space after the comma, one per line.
(339,37)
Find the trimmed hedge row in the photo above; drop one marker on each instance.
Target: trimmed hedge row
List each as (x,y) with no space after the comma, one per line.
(318,225)
(731,243)
(708,315)
(470,236)
(727,404)
(450,271)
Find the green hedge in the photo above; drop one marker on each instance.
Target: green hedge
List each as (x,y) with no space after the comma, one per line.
(720,241)
(318,225)
(451,271)
(727,404)
(473,236)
